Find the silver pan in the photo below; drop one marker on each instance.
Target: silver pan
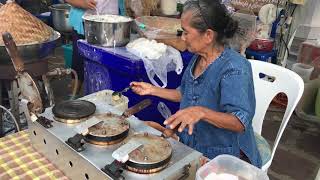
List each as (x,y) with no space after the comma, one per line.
(31,52)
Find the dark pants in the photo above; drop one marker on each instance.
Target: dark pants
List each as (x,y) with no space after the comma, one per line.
(77,59)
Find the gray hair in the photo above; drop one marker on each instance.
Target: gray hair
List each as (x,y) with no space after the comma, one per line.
(211,14)
(197,20)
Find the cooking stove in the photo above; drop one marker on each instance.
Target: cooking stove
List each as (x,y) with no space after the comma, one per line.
(94,159)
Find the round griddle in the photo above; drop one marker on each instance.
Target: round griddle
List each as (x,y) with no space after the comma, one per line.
(112,130)
(152,157)
(115,127)
(73,111)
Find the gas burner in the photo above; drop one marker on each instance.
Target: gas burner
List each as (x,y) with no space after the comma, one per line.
(143,153)
(152,157)
(80,157)
(73,111)
(112,130)
(71,121)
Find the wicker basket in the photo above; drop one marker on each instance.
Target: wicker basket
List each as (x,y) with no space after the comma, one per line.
(23,26)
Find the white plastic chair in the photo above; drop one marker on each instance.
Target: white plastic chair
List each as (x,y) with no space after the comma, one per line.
(285,81)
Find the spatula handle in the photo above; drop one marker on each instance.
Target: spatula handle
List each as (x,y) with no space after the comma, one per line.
(12,50)
(137,108)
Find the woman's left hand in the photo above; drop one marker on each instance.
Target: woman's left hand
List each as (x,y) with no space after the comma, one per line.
(185,117)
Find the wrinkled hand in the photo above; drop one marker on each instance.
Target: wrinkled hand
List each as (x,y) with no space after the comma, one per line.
(90,4)
(142,88)
(185,117)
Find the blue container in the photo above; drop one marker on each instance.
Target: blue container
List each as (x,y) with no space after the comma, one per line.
(262,56)
(115,71)
(270,57)
(67,53)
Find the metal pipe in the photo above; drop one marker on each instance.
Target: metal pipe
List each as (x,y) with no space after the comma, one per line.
(57,72)
(48,89)
(76,84)
(62,72)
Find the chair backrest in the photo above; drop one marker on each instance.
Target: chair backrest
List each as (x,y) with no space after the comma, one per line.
(285,81)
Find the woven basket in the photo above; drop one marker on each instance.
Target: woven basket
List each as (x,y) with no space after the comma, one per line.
(23,26)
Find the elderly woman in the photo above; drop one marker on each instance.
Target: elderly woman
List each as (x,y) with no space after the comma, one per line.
(216,96)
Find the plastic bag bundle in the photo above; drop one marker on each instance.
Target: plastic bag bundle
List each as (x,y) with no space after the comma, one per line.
(158,59)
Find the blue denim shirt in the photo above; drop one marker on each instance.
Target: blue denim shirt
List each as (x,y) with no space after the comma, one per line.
(225,86)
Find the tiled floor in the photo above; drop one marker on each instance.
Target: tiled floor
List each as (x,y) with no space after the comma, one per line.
(298,154)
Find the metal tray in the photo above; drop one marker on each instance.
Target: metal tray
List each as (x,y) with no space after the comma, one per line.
(31,52)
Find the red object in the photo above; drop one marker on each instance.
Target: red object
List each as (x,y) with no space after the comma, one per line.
(280,101)
(310,54)
(265,45)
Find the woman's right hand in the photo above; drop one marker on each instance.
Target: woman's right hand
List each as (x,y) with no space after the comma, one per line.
(142,88)
(90,4)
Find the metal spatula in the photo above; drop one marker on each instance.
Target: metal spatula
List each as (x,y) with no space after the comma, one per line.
(164,110)
(166,113)
(116,95)
(83,128)
(122,153)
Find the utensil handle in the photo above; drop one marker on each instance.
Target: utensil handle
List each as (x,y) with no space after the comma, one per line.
(171,133)
(137,108)
(12,50)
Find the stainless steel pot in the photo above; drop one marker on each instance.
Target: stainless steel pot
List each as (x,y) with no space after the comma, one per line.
(107,34)
(60,17)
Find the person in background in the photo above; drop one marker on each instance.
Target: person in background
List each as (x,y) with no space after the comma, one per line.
(79,8)
(217,100)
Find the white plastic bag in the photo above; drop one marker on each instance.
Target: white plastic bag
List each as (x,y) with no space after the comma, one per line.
(162,60)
